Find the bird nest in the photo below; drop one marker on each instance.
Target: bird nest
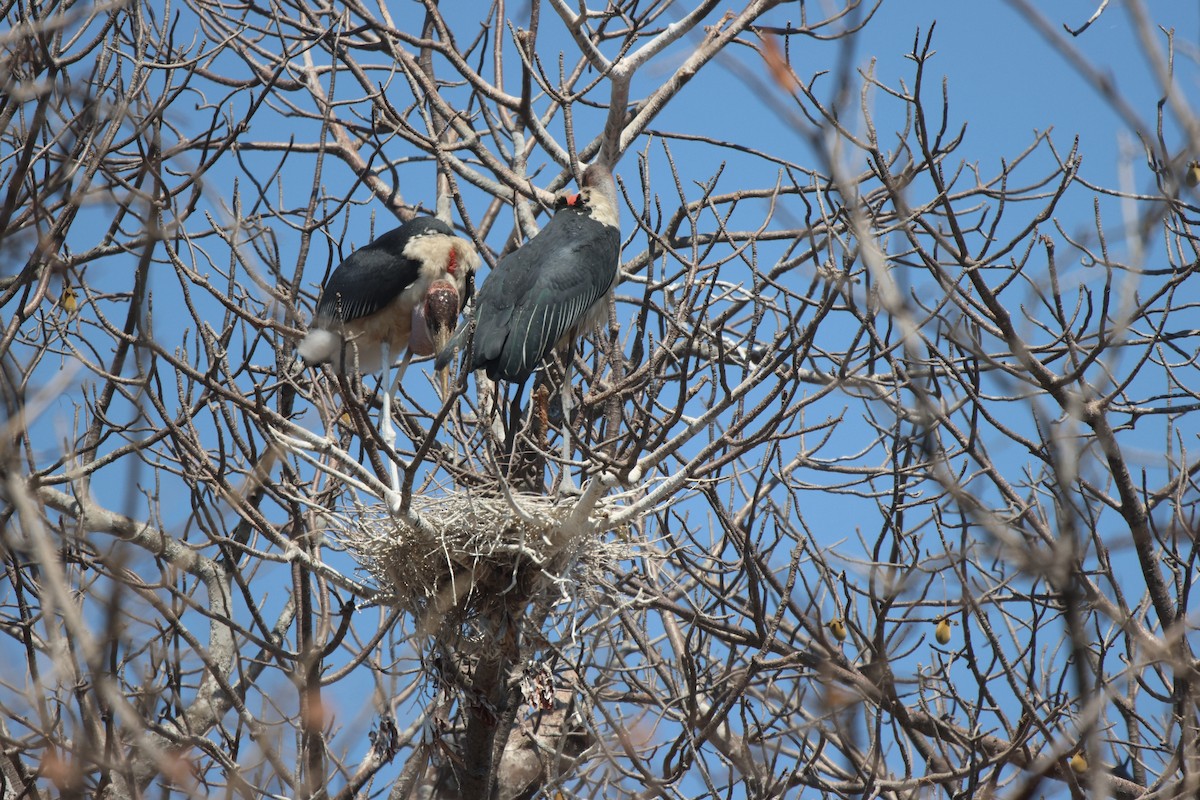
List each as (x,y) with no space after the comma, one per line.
(460,555)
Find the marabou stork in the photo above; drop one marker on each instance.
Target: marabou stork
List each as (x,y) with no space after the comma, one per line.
(547,293)
(401,292)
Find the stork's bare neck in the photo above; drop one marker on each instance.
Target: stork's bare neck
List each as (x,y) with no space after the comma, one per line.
(600,195)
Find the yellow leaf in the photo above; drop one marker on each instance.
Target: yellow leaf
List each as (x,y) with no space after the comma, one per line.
(943,631)
(837,628)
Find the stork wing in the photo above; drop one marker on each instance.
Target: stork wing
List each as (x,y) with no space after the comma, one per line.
(368,280)
(543,290)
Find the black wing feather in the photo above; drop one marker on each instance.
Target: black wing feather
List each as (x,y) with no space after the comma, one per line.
(373,276)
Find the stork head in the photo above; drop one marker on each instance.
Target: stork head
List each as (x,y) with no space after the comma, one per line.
(597,195)
(441,309)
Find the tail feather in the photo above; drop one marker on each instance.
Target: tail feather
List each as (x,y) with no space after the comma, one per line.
(319,346)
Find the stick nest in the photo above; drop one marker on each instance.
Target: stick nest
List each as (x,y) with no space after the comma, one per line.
(461,554)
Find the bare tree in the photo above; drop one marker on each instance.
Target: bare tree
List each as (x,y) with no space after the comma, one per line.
(883,452)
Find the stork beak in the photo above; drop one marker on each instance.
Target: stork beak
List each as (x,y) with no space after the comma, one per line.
(441,336)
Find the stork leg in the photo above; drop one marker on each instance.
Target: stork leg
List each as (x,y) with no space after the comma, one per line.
(387,431)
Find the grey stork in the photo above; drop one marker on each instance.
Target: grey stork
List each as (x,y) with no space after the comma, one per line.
(545,294)
(401,293)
